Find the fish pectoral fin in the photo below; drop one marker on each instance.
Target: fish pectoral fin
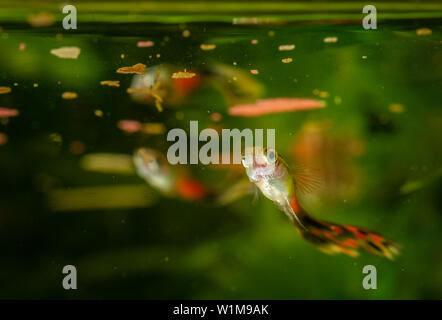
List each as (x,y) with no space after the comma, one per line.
(255,195)
(307,179)
(237,190)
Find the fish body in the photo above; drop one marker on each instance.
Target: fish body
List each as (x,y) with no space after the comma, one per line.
(271,174)
(152,167)
(159,86)
(171,181)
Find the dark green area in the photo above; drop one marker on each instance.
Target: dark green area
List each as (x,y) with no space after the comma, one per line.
(179,249)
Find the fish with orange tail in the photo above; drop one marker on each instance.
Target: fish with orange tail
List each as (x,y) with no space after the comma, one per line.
(165,85)
(153,167)
(270,173)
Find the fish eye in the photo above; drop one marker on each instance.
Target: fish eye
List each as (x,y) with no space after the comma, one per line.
(271,155)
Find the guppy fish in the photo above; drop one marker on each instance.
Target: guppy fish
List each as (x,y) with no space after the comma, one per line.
(270,173)
(159,87)
(152,166)
(171,181)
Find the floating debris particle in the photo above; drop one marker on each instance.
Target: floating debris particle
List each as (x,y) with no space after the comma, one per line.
(69,95)
(330,39)
(110,83)
(145,44)
(423,32)
(337,100)
(183,75)
(216,117)
(66,52)
(3,139)
(134,126)
(275,105)
(287,60)
(179,115)
(42,19)
(8,113)
(139,90)
(139,68)
(254,71)
(98,113)
(77,147)
(415,185)
(207,47)
(322,94)
(153,128)
(152,92)
(286,47)
(22,47)
(254,41)
(108,163)
(186,33)
(396,108)
(4,90)
(129,126)
(56,137)
(154,89)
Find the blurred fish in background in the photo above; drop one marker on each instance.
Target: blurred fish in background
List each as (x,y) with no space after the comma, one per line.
(333,155)
(166,85)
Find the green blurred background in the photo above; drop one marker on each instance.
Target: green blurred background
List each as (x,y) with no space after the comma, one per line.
(378,144)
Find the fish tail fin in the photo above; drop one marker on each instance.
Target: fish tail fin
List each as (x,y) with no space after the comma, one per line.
(334,238)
